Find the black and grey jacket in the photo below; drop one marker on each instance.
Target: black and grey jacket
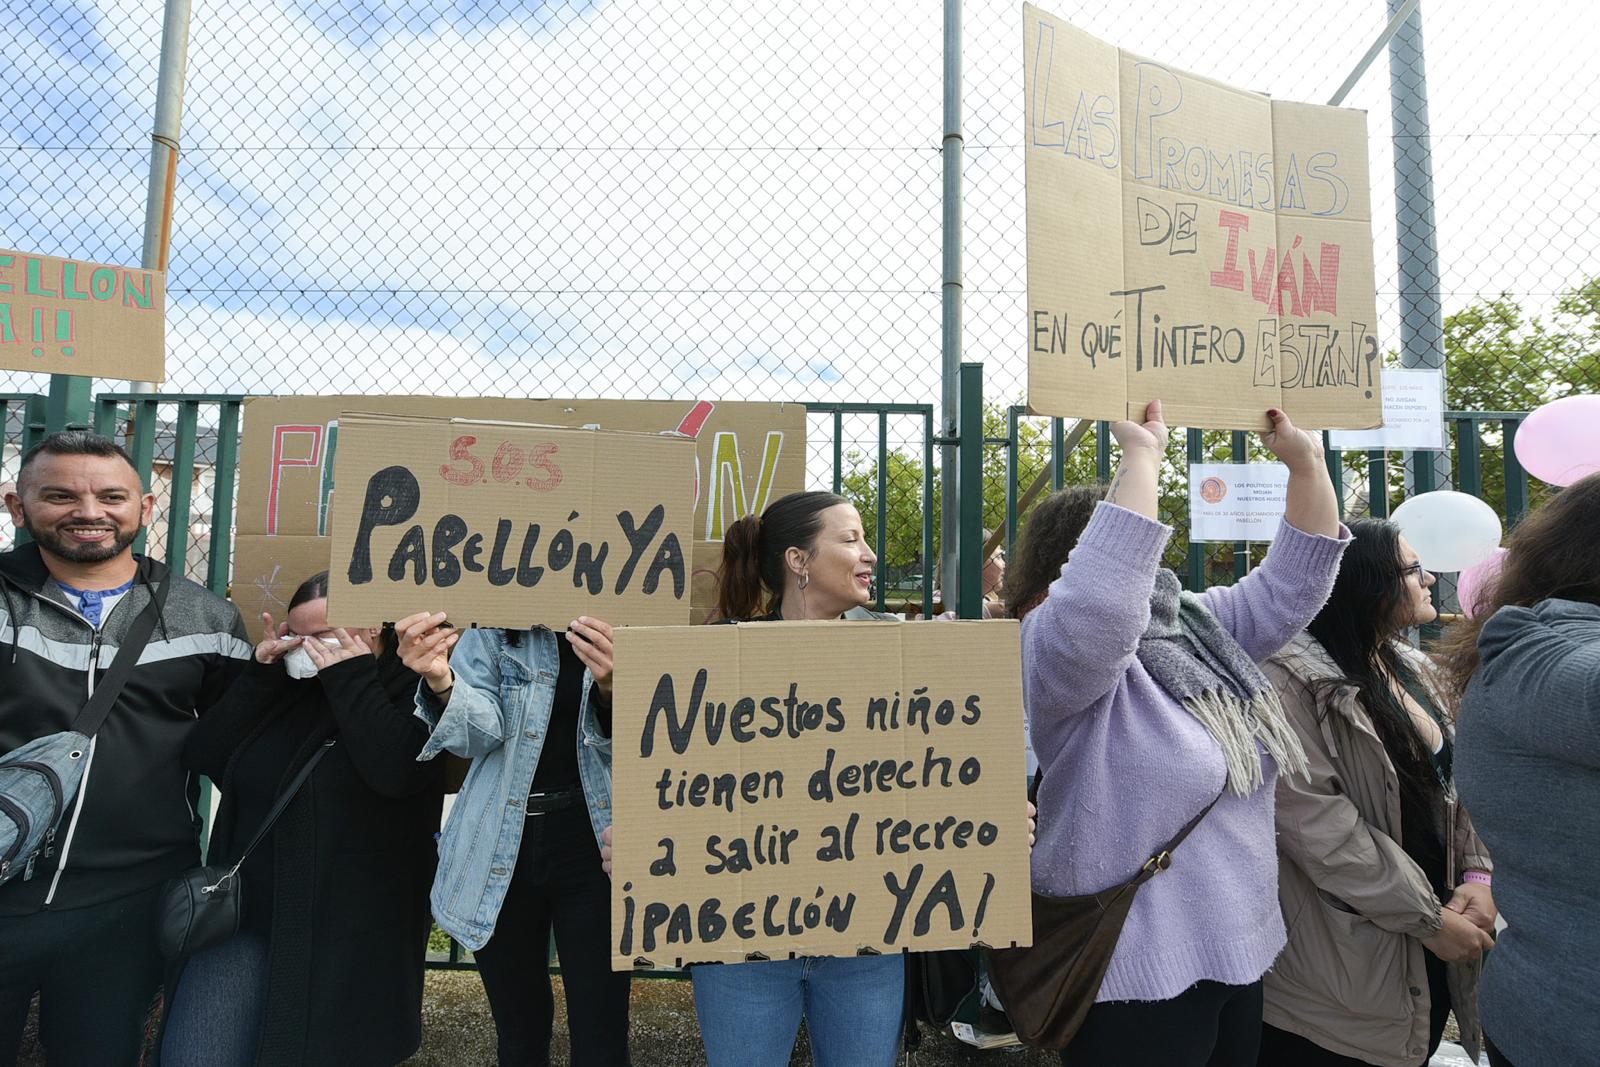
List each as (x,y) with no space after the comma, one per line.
(134,822)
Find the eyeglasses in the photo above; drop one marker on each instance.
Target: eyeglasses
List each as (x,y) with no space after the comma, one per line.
(1415,568)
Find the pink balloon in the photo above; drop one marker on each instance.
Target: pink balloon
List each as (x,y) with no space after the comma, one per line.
(1560,441)
(1475,580)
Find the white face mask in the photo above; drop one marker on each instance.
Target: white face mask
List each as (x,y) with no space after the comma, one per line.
(297,661)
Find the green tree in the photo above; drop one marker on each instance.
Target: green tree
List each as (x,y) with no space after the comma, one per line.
(1501,358)
(906,508)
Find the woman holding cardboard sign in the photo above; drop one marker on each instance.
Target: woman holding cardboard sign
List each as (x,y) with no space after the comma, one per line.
(519,856)
(805,557)
(1147,708)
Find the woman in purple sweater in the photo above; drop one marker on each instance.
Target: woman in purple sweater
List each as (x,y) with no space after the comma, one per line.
(1145,705)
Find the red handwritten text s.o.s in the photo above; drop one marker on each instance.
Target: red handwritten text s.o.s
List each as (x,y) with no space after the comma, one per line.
(509,461)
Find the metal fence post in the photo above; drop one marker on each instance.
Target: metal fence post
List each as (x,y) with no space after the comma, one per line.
(969,569)
(1416,235)
(68,405)
(953,371)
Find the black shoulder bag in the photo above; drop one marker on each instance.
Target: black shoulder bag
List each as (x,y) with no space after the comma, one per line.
(1049,987)
(201,907)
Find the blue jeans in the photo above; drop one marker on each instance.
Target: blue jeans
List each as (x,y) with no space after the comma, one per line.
(216,1010)
(853,1006)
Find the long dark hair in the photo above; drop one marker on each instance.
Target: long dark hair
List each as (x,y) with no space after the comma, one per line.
(316,588)
(1052,530)
(1554,552)
(1357,627)
(750,579)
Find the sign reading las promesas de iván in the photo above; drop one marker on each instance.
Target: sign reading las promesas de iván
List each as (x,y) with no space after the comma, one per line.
(1192,242)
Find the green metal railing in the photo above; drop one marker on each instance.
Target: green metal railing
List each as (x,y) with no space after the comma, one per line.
(136,418)
(882,487)
(1472,433)
(181,434)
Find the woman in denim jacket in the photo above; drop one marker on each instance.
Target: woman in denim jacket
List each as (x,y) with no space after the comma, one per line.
(519,855)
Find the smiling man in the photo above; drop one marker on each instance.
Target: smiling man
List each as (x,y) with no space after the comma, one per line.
(80,930)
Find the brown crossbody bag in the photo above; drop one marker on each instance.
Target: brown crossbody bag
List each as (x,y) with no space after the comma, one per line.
(1048,987)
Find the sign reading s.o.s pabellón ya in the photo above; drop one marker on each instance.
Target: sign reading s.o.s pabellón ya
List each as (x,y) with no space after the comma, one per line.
(506,524)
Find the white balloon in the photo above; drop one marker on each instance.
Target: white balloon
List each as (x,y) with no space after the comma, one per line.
(1450,531)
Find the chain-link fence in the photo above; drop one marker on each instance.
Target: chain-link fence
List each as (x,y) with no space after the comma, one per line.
(640,198)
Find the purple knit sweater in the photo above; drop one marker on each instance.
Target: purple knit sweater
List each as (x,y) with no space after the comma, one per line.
(1125,766)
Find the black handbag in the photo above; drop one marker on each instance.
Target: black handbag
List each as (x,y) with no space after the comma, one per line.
(201,907)
(1048,988)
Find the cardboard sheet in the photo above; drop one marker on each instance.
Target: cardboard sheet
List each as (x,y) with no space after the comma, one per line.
(817,789)
(70,316)
(1192,242)
(747,455)
(507,524)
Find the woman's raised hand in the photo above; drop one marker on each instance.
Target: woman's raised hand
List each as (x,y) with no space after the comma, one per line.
(425,644)
(1296,448)
(278,642)
(1150,434)
(591,640)
(1143,445)
(1311,504)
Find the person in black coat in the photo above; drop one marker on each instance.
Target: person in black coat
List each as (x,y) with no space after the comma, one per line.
(327,966)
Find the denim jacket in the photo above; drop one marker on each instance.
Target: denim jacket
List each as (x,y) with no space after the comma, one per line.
(497,716)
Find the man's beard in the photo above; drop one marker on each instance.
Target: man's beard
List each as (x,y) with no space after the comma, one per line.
(57,545)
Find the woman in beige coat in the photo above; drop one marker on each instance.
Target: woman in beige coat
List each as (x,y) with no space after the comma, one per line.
(1384,885)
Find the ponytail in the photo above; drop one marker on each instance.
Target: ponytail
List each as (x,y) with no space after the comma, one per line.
(740,594)
(750,579)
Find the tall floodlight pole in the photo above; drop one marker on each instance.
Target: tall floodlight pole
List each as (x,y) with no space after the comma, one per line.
(164,146)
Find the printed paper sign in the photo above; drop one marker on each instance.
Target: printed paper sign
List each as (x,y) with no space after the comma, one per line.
(504,524)
(748,454)
(1413,414)
(817,789)
(1192,242)
(69,316)
(1236,501)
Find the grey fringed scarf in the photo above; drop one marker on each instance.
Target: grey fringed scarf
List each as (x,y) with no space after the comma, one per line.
(1190,655)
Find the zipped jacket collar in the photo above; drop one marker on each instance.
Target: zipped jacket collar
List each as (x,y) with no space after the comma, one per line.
(23,572)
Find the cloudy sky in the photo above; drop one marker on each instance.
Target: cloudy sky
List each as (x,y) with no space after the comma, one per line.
(671,199)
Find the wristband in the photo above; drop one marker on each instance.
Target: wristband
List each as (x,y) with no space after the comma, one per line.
(1476,878)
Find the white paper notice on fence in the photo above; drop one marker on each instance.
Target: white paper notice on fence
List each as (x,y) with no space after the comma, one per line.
(1236,501)
(1413,414)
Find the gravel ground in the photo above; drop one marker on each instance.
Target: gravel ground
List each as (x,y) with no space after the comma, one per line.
(457,1031)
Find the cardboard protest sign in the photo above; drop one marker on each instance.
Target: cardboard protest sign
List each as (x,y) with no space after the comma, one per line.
(747,455)
(505,524)
(1413,414)
(1236,501)
(817,788)
(70,316)
(1192,242)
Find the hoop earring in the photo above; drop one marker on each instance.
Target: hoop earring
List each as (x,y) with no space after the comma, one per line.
(805,579)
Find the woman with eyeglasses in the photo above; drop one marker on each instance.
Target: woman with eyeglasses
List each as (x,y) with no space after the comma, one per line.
(1384,885)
